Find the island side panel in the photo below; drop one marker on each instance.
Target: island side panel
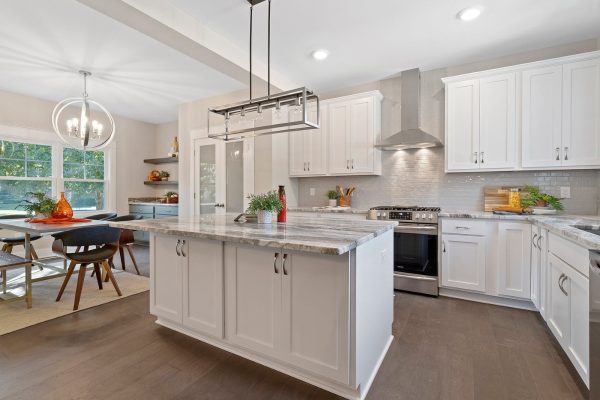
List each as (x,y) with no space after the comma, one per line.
(374,306)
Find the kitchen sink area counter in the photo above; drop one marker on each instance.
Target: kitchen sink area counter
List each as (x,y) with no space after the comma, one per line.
(312,297)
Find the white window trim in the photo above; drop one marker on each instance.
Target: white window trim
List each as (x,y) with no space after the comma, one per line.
(34,136)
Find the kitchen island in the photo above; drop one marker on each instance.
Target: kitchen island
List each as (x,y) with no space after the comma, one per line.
(312,298)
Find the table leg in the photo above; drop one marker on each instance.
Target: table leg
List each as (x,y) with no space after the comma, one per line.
(29,286)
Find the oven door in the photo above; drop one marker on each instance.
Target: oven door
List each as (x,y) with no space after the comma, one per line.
(415,249)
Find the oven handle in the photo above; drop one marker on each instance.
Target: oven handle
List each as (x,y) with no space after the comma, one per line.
(417,229)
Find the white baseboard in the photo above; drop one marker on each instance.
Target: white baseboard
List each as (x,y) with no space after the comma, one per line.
(485,298)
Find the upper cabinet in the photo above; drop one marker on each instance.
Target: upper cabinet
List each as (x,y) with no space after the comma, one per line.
(552,108)
(345,143)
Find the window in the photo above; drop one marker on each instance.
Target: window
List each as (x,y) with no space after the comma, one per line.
(83,174)
(24,167)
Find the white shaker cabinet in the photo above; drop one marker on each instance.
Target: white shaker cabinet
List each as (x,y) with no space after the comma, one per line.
(166,278)
(536,265)
(462,125)
(541,116)
(514,259)
(308,148)
(463,262)
(581,113)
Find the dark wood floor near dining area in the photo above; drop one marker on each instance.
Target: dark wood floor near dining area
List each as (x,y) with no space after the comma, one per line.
(443,349)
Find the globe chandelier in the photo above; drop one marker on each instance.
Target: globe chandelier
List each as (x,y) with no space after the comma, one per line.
(86,130)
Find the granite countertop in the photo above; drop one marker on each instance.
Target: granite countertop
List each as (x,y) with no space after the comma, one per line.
(560,224)
(324,209)
(304,233)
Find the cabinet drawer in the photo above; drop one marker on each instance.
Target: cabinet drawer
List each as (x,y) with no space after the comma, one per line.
(141,209)
(571,253)
(464,227)
(166,210)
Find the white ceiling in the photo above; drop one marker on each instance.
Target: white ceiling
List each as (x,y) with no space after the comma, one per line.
(44,42)
(374,39)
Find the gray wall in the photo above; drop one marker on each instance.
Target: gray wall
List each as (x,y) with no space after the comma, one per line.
(417,176)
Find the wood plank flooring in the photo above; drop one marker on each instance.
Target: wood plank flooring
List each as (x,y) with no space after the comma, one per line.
(443,349)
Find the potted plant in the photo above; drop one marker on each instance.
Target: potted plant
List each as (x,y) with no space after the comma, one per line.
(332,195)
(536,199)
(37,204)
(172,197)
(164,175)
(264,205)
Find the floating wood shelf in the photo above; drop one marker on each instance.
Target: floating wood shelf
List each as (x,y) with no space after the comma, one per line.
(161,183)
(163,160)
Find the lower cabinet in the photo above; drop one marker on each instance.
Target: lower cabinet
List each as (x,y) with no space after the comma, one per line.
(463,262)
(187,283)
(276,307)
(514,259)
(536,264)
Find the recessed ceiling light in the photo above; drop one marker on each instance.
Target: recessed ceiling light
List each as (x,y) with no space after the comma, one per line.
(320,54)
(469,14)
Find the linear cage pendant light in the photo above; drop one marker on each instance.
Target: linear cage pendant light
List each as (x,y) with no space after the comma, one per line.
(83,127)
(247,118)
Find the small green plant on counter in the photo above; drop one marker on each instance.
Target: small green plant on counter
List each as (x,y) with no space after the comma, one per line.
(332,195)
(264,202)
(534,198)
(171,194)
(37,203)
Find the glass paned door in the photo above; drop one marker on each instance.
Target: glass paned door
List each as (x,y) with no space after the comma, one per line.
(208,174)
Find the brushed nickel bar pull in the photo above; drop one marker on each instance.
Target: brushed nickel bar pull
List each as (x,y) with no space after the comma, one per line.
(566,153)
(557,153)
(533,240)
(275,263)
(475,154)
(182,246)
(284,260)
(177,247)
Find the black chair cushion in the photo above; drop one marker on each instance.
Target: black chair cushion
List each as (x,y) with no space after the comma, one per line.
(13,216)
(18,239)
(128,217)
(89,256)
(10,260)
(101,217)
(93,236)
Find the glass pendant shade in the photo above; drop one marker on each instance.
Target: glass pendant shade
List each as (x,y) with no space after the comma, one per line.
(82,122)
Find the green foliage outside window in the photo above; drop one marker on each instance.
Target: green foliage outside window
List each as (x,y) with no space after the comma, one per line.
(84,166)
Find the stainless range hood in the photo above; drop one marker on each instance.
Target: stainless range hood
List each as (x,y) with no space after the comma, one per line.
(411,136)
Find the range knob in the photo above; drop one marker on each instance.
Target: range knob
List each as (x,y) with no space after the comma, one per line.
(430,216)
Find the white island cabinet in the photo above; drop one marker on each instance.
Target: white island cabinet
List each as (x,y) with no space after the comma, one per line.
(314,304)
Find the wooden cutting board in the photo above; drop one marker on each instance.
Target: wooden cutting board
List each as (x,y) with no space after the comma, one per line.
(497,196)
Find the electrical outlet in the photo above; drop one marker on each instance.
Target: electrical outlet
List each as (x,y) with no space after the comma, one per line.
(565,192)
(312,191)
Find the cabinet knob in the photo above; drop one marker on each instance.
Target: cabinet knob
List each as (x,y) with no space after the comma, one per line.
(308,165)
(352,163)
(347,164)
(475,155)
(482,161)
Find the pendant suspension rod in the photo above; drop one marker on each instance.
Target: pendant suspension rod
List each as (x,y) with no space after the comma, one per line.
(251,7)
(269,54)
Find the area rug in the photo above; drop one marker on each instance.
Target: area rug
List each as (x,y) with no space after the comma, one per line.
(15,315)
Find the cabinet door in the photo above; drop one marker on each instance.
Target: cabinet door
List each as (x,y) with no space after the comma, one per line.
(463,262)
(514,259)
(297,160)
(558,310)
(203,286)
(462,130)
(581,113)
(361,136)
(536,256)
(497,119)
(315,145)
(339,159)
(253,298)
(578,348)
(541,117)
(165,278)
(543,241)
(316,321)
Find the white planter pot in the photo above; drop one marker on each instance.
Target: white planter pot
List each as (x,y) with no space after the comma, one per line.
(332,202)
(264,217)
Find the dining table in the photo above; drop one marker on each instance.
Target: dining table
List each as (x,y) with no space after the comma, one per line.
(28,229)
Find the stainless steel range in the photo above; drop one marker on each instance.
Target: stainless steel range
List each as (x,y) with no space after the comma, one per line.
(415,246)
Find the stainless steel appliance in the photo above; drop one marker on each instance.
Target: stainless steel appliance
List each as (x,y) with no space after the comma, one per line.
(594,325)
(415,246)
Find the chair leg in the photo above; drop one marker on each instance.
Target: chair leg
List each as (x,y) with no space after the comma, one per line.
(9,248)
(98,275)
(122,254)
(112,278)
(130,251)
(28,285)
(4,282)
(4,247)
(67,277)
(80,279)
(34,255)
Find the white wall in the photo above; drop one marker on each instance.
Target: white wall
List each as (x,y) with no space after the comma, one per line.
(164,139)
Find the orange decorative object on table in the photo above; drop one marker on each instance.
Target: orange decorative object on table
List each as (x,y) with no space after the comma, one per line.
(63,209)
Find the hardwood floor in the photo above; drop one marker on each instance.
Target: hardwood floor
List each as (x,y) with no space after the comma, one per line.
(443,349)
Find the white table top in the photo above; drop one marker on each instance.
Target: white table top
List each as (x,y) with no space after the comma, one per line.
(19,225)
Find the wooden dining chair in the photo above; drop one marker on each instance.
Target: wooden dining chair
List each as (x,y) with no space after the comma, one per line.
(126,240)
(9,242)
(10,261)
(106,242)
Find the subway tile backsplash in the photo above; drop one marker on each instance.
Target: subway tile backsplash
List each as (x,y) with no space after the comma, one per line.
(417,177)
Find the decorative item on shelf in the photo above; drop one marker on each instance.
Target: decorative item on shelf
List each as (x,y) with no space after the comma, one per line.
(172,197)
(264,205)
(282,215)
(538,202)
(63,209)
(333,196)
(174,148)
(38,204)
(85,132)
(164,175)
(345,196)
(154,176)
